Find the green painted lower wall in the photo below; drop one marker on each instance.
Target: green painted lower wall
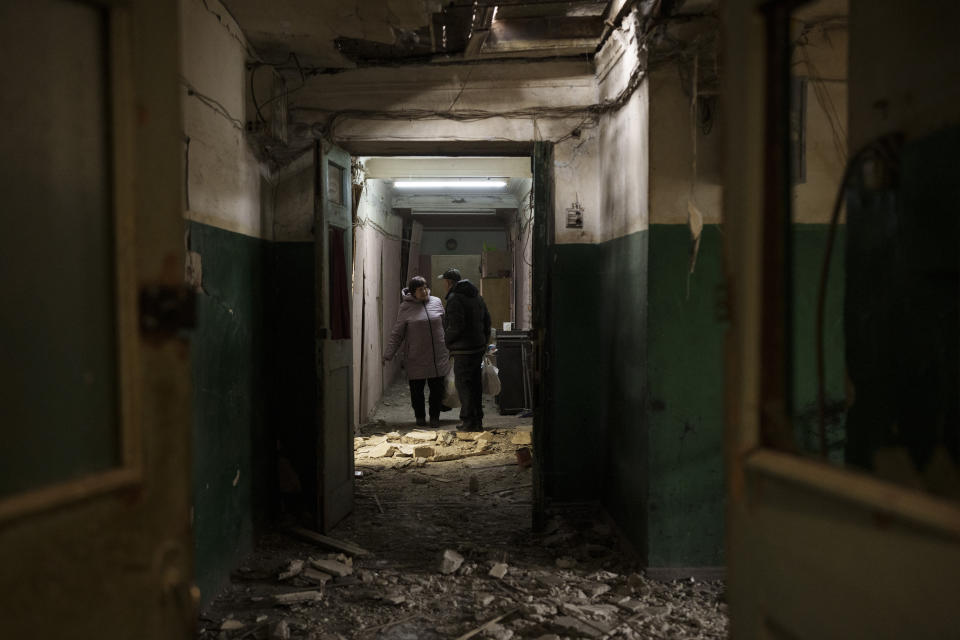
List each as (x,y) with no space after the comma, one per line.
(254,387)
(575,441)
(623,317)
(685,373)
(228,387)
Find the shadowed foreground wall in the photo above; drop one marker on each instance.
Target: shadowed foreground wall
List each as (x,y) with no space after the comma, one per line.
(685,406)
(227,349)
(623,315)
(576,439)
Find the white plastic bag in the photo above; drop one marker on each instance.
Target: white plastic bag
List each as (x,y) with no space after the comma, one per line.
(450,396)
(490,376)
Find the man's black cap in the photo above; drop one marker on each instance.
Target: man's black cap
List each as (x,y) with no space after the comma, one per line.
(451,274)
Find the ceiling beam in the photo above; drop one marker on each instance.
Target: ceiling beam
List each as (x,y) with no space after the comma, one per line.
(460,221)
(458,167)
(548,28)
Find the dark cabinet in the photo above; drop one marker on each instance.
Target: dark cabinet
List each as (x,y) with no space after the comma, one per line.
(513,362)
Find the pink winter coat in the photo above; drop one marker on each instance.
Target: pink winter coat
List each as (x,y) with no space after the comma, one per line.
(425,353)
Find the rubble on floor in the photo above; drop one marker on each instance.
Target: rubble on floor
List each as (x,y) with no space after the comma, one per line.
(440,546)
(420,447)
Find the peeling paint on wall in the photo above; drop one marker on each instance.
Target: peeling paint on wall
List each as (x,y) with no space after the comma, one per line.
(193,271)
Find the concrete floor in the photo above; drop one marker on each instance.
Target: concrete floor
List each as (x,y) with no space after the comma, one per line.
(571,581)
(395,410)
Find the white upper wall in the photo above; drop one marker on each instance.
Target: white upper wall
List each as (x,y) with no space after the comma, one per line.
(821,56)
(288,203)
(623,175)
(223,181)
(411,101)
(672,181)
(376,208)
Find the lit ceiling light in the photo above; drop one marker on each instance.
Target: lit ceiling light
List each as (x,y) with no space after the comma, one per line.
(494,18)
(450,184)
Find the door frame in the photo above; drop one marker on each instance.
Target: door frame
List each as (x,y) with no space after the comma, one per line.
(334,499)
(542,320)
(813,550)
(541,157)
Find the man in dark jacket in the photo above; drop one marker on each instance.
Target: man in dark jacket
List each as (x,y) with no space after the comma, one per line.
(466,328)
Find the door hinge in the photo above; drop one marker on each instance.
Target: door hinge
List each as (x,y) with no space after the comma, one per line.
(167,310)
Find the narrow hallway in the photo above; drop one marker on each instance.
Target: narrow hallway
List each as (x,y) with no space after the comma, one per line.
(450,551)
(711,247)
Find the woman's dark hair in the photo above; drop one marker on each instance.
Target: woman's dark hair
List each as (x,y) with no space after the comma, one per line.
(415,283)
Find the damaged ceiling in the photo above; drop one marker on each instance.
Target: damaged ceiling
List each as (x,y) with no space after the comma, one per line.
(299,40)
(352,33)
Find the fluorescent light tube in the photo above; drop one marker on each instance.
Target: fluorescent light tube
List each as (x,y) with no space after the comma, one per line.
(450,184)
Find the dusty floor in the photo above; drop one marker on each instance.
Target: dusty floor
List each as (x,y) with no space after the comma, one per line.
(451,551)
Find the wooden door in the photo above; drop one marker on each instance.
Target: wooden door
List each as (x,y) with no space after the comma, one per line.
(334,233)
(813,550)
(95,485)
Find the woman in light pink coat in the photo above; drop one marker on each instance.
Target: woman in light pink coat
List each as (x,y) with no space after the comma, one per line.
(419,329)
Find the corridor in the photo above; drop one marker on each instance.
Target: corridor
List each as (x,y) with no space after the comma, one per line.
(446,548)
(706,250)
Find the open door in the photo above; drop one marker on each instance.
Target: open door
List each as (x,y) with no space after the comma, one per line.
(334,238)
(95,537)
(814,550)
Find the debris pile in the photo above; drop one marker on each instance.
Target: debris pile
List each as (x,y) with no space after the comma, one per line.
(420,446)
(439,545)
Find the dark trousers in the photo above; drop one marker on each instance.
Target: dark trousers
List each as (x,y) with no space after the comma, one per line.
(436,396)
(466,368)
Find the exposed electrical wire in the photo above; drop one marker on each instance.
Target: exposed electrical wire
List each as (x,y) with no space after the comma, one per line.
(589,111)
(211,103)
(817,81)
(364,222)
(462,87)
(283,94)
(886,148)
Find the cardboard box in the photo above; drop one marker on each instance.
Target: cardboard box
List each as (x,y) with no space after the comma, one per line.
(496,264)
(496,294)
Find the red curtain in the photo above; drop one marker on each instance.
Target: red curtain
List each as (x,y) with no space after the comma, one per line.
(339,286)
